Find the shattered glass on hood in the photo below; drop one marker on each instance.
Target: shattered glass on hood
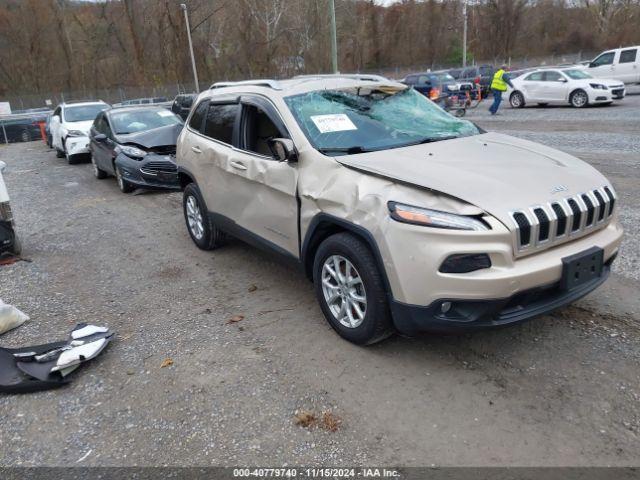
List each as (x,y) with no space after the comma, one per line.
(366,119)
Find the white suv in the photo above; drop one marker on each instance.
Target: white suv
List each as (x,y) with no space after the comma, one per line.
(402,215)
(70,125)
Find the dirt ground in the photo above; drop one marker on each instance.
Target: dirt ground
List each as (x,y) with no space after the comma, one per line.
(560,390)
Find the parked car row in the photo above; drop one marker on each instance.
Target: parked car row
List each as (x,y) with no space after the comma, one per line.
(596,82)
(134,144)
(404,217)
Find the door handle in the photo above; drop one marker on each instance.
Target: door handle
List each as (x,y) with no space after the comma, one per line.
(196,149)
(238,165)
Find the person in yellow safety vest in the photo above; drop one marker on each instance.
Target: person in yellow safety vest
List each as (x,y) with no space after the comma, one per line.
(498,85)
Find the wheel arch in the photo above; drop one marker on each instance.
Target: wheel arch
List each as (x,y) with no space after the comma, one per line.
(322,226)
(185,178)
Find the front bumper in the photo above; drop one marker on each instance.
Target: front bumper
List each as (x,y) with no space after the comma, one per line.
(153,172)
(599,96)
(77,145)
(469,315)
(412,256)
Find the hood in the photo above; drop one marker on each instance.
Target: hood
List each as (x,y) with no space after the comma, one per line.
(82,126)
(157,137)
(492,171)
(610,82)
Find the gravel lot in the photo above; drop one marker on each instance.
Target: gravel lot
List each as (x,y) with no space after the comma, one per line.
(561,390)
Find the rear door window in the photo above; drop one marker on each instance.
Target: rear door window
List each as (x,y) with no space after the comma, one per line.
(534,77)
(552,76)
(628,56)
(220,121)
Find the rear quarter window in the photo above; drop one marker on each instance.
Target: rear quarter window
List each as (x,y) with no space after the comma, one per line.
(198,116)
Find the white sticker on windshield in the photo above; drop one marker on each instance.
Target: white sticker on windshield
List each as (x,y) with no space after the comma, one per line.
(333,123)
(165,113)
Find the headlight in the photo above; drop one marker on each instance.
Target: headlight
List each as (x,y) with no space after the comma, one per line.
(598,86)
(433,218)
(130,151)
(76,133)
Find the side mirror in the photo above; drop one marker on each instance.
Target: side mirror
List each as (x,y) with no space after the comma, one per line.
(56,118)
(563,80)
(101,137)
(3,166)
(283,149)
(592,64)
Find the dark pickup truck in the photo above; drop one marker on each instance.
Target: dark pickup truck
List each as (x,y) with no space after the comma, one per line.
(21,127)
(433,85)
(482,74)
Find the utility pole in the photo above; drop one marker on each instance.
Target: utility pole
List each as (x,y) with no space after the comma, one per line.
(334,39)
(464,33)
(193,60)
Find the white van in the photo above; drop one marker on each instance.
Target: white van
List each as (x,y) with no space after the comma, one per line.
(620,64)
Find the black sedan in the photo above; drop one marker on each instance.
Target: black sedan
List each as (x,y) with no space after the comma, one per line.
(137,145)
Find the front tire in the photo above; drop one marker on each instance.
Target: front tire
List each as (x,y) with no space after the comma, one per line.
(201,229)
(517,100)
(350,290)
(579,99)
(123,185)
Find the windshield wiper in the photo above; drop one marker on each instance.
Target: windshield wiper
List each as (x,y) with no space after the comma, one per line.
(347,150)
(433,139)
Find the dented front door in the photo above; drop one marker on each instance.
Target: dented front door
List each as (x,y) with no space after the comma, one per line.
(264,198)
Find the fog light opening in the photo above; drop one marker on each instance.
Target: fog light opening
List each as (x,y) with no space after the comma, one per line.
(445,307)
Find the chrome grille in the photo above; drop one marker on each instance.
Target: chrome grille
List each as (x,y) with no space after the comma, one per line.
(570,217)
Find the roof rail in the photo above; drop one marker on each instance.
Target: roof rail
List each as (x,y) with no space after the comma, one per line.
(354,76)
(274,84)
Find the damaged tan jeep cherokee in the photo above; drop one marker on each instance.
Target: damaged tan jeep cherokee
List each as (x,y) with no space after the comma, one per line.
(403,216)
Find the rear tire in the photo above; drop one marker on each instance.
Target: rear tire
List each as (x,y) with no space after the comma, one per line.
(350,290)
(579,99)
(25,136)
(516,99)
(201,229)
(97,172)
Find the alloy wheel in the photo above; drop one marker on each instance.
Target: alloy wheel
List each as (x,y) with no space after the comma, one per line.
(580,99)
(344,291)
(516,100)
(194,218)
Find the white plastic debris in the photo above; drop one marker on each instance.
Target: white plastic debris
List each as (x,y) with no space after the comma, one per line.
(10,317)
